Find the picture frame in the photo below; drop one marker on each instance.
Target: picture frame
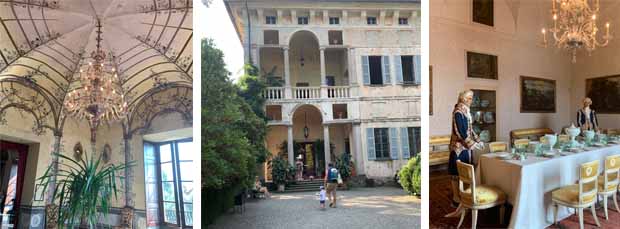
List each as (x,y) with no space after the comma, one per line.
(480,65)
(38,192)
(538,95)
(600,90)
(483,12)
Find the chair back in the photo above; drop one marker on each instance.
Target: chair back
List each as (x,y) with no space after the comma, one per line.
(498,147)
(612,170)
(467,177)
(613,131)
(563,138)
(588,181)
(522,142)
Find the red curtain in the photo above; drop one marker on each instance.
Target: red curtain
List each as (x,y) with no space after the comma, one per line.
(22,150)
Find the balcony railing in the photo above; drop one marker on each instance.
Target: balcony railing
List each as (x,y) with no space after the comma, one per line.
(306,92)
(338,92)
(273,93)
(280,93)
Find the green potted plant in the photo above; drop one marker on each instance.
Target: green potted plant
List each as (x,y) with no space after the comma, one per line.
(344,166)
(410,176)
(83,188)
(279,172)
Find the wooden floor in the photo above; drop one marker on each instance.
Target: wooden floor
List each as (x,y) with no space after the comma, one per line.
(440,195)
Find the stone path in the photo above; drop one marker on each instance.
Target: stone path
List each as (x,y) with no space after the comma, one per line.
(382,208)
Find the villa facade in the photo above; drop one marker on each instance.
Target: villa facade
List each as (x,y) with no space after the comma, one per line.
(344,77)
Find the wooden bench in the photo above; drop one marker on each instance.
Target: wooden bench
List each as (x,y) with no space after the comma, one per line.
(533,134)
(439,152)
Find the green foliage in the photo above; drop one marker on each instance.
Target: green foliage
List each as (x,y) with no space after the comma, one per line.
(410,176)
(81,188)
(344,165)
(233,134)
(279,170)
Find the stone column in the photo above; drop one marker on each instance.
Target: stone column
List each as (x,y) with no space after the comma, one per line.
(289,141)
(287,75)
(327,145)
(129,202)
(55,150)
(357,147)
(323,74)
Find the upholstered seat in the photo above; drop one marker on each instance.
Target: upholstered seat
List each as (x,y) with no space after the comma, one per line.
(570,195)
(581,195)
(484,195)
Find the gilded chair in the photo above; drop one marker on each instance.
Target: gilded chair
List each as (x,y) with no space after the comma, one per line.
(581,195)
(521,142)
(613,131)
(609,180)
(498,147)
(477,197)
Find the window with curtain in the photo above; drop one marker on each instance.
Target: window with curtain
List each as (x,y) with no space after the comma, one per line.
(169,183)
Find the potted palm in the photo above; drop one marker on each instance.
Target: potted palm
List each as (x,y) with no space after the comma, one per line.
(344,166)
(84,187)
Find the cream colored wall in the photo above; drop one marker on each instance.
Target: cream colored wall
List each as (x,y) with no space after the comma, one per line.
(18,128)
(514,41)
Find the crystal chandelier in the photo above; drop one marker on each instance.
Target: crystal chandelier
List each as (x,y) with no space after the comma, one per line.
(574,26)
(100,97)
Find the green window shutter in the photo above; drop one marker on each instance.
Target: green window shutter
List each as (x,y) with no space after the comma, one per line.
(370,139)
(393,143)
(385,66)
(404,141)
(398,68)
(366,70)
(417,70)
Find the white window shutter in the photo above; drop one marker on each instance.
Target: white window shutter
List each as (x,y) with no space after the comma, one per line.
(370,140)
(404,141)
(393,143)
(366,70)
(417,70)
(385,62)
(398,68)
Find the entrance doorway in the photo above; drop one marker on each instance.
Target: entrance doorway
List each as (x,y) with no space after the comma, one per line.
(313,159)
(12,168)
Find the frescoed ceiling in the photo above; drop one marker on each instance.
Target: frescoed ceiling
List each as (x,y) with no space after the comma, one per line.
(44,44)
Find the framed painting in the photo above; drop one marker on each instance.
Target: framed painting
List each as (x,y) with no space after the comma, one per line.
(481,65)
(604,92)
(482,12)
(537,95)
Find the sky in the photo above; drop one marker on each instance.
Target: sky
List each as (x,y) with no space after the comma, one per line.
(215,23)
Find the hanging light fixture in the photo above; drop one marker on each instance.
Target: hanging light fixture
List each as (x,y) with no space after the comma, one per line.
(100,97)
(301,60)
(574,26)
(306,129)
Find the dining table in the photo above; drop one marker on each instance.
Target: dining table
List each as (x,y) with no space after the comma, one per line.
(528,183)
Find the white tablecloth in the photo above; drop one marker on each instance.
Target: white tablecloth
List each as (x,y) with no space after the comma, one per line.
(529,183)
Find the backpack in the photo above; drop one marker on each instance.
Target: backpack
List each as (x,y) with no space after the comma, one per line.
(333,174)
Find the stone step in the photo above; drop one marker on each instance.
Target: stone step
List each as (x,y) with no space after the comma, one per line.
(301,189)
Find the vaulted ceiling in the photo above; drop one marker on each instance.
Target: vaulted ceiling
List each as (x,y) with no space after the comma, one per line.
(44,43)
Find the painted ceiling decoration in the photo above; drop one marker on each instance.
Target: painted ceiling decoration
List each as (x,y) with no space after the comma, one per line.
(45,43)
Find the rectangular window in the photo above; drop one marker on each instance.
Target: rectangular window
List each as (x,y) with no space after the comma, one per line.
(382,143)
(334,21)
(414,140)
(371,20)
(271,37)
(270,20)
(174,172)
(376,72)
(335,37)
(302,20)
(403,21)
(407,69)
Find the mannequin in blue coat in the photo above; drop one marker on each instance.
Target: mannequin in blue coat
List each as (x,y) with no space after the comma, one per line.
(586,117)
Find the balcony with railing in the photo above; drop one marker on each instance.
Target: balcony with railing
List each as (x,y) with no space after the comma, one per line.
(306,93)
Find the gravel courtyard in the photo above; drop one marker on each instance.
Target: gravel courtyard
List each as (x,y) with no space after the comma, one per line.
(382,207)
